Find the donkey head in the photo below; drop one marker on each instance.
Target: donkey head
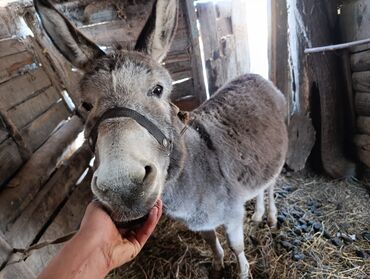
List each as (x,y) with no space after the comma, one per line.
(130,115)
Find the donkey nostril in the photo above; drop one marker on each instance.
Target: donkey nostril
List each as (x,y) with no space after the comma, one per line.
(148,170)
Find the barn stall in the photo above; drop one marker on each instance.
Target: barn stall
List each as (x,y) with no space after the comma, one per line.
(322,195)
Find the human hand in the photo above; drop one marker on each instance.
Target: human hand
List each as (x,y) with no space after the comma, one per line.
(116,249)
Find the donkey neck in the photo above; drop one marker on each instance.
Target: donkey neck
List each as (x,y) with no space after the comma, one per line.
(192,145)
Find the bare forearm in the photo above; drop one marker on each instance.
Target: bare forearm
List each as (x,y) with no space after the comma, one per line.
(80,258)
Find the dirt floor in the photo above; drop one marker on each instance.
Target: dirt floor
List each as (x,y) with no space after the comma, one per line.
(323,232)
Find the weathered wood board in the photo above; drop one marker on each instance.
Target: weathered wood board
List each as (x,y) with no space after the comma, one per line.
(25,229)
(3,135)
(23,114)
(39,130)
(11,65)
(10,160)
(363,148)
(22,188)
(11,46)
(21,88)
(67,220)
(360,61)
(363,125)
(362,104)
(182,89)
(361,81)
(5,250)
(17,270)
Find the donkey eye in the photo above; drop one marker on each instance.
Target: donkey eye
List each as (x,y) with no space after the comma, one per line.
(156,91)
(87,106)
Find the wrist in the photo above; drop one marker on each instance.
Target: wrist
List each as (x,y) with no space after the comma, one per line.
(95,252)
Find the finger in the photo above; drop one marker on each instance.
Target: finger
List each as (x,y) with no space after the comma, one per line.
(144,232)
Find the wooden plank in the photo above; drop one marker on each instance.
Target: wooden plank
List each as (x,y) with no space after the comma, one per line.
(178,67)
(360,61)
(68,220)
(11,46)
(10,160)
(361,81)
(112,32)
(39,130)
(24,113)
(17,270)
(12,65)
(22,88)
(29,224)
(182,89)
(21,190)
(363,125)
(223,8)
(362,104)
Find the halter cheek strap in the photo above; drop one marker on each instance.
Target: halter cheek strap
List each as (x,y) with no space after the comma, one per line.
(139,118)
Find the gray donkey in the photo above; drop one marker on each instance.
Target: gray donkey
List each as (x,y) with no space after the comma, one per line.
(232,151)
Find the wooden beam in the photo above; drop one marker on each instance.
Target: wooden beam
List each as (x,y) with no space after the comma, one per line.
(10,160)
(21,190)
(39,130)
(67,220)
(28,225)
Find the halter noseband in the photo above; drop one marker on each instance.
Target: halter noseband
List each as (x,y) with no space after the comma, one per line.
(139,118)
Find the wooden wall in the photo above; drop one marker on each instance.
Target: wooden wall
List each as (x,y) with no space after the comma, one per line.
(31,106)
(355,25)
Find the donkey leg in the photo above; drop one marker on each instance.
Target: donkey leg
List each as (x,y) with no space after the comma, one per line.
(271,219)
(235,237)
(260,208)
(218,252)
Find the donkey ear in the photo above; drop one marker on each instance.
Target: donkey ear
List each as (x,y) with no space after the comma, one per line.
(78,49)
(156,37)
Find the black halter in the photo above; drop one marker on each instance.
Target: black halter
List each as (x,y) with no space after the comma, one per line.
(139,118)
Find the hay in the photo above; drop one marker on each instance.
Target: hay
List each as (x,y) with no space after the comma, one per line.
(322,233)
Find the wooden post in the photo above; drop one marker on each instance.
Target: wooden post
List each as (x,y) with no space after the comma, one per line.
(240,32)
(196,60)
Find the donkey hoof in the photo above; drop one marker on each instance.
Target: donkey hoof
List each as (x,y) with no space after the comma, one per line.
(272,222)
